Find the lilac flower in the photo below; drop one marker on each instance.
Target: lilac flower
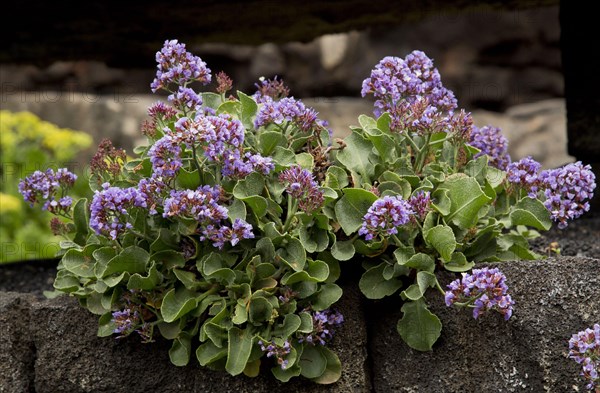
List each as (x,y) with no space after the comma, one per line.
(110,208)
(259,163)
(234,166)
(385,216)
(224,83)
(161,111)
(485,289)
(419,204)
(567,191)
(44,186)
(490,141)
(228,133)
(300,184)
(584,348)
(524,173)
(273,89)
(178,66)
(397,83)
(152,191)
(186,99)
(125,321)
(287,110)
(201,204)
(276,351)
(219,235)
(324,324)
(165,156)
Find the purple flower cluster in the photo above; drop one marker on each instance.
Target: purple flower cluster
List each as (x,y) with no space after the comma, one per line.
(301,184)
(270,88)
(186,99)
(485,289)
(567,191)
(203,206)
(287,110)
(44,186)
(125,321)
(419,204)
(110,208)
(584,348)
(277,351)
(324,324)
(490,141)
(176,65)
(524,173)
(385,216)
(152,191)
(396,83)
(221,138)
(165,156)
(219,235)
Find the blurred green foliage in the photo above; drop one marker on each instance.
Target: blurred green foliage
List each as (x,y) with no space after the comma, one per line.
(27,144)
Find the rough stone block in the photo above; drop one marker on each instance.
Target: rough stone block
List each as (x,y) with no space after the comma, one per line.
(16,347)
(555,298)
(71,358)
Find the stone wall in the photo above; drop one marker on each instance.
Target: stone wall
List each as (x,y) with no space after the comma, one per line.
(537,129)
(51,345)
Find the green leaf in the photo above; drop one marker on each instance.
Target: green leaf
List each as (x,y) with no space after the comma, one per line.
(181,350)
(169,259)
(466,197)
(312,362)
(283,157)
(293,254)
(260,310)
(171,330)
(374,286)
(249,109)
(237,209)
(306,323)
(459,263)
(132,259)
(317,271)
(343,250)
(327,296)
(268,140)
(238,350)
(333,369)
(442,239)
(532,213)
(176,303)
(287,374)
(106,325)
(145,283)
(352,207)
(417,291)
(252,369)
(188,180)
(211,100)
(305,160)
(80,263)
(208,353)
(81,219)
(249,190)
(419,261)
(383,122)
(291,323)
(336,178)
(66,282)
(358,156)
(419,328)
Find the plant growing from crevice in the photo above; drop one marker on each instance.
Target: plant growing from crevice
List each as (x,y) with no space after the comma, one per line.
(214,236)
(422,190)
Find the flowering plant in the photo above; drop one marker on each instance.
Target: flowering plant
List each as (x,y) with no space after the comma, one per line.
(423,190)
(214,235)
(584,348)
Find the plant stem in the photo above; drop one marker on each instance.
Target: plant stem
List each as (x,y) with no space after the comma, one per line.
(291,212)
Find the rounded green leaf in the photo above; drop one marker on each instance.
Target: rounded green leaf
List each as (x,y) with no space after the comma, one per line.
(328,295)
(312,362)
(343,250)
(442,239)
(238,350)
(333,369)
(419,328)
(374,286)
(352,207)
(181,350)
(208,353)
(260,310)
(176,303)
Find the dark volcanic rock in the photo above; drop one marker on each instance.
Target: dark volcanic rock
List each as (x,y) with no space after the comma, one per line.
(555,298)
(71,358)
(16,347)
